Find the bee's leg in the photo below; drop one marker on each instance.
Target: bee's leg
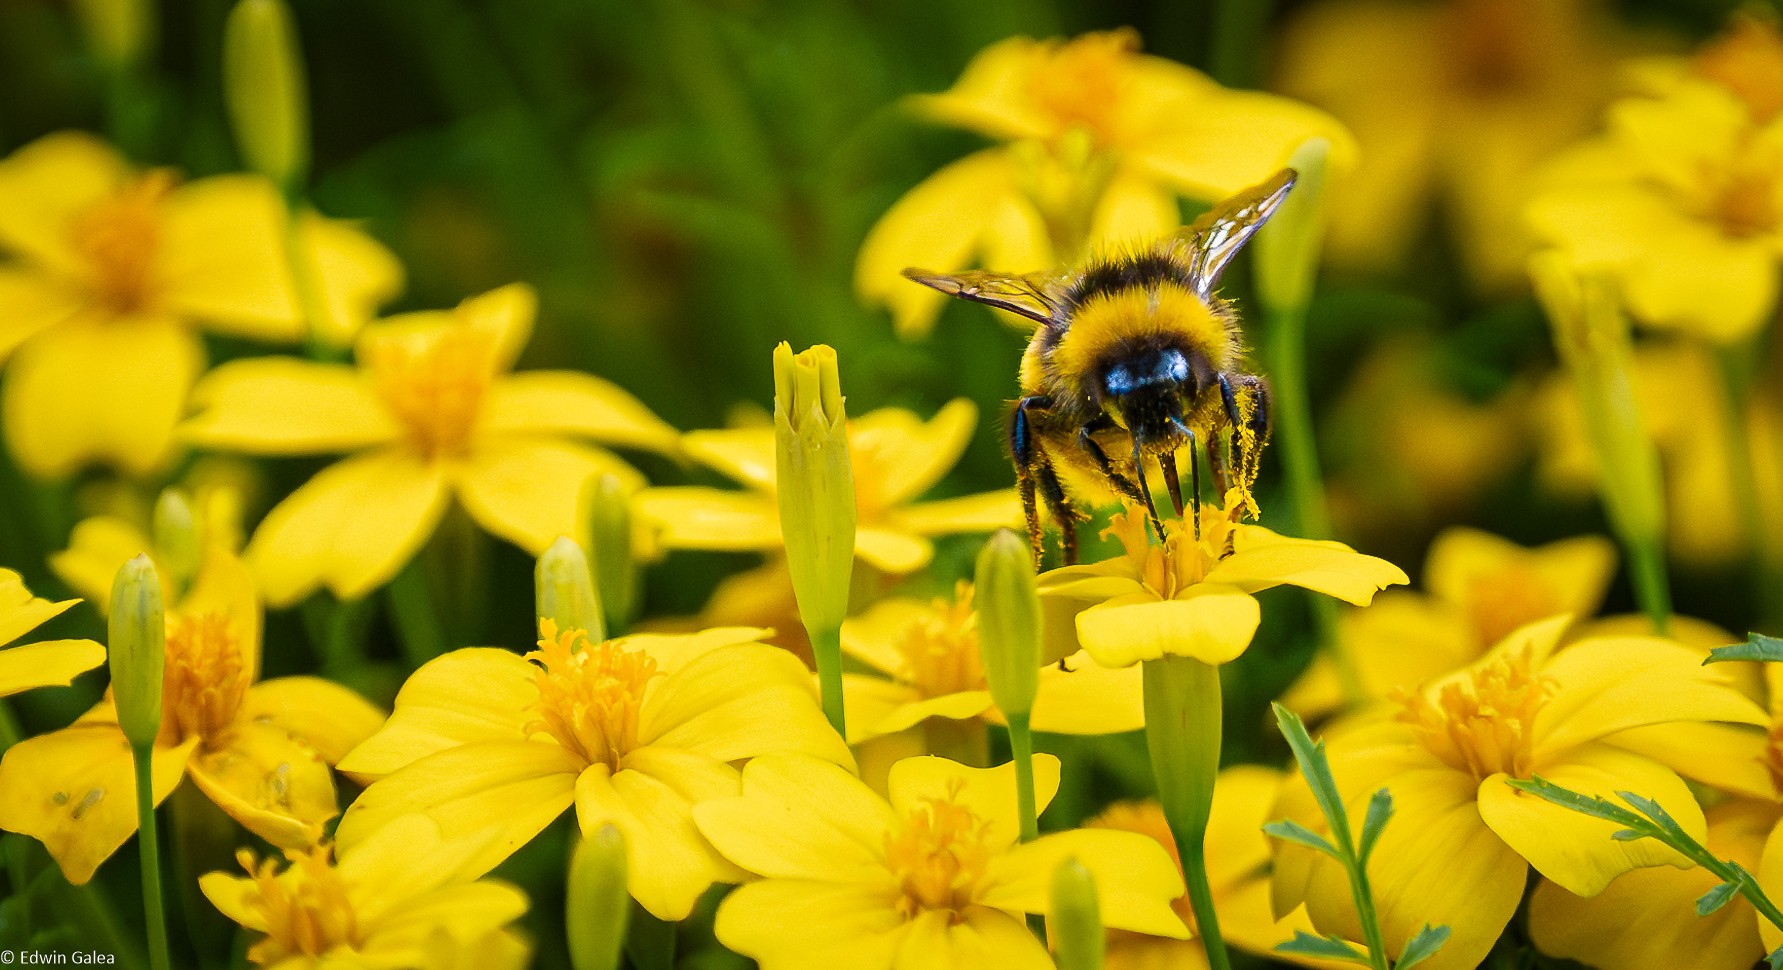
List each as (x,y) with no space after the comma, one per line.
(1028,460)
(1121,483)
(1173,485)
(1060,506)
(1145,490)
(1194,479)
(1234,421)
(1256,422)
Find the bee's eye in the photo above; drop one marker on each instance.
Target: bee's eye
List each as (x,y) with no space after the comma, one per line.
(1149,369)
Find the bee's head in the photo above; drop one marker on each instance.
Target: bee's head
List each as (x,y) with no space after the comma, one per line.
(1148,390)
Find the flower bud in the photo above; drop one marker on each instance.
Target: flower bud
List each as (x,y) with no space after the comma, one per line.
(1287,247)
(1078,940)
(174,532)
(1009,622)
(565,590)
(118,30)
(138,649)
(597,905)
(815,482)
(263,82)
(608,514)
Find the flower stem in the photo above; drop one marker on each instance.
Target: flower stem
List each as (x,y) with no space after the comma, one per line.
(1646,565)
(156,910)
(1736,435)
(417,625)
(826,650)
(1021,746)
(1371,923)
(1182,729)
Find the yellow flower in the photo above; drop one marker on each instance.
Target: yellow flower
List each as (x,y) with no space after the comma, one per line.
(260,750)
(1192,597)
(430,413)
(634,731)
(1446,751)
(1453,105)
(113,271)
(1682,200)
(401,899)
(931,877)
(926,664)
(1478,588)
(896,456)
(1101,140)
(50,663)
(101,544)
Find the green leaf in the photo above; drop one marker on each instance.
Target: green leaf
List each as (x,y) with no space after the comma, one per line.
(1329,947)
(1422,947)
(1757,647)
(1583,804)
(1317,771)
(1716,898)
(1290,831)
(1776,958)
(1380,809)
(1628,835)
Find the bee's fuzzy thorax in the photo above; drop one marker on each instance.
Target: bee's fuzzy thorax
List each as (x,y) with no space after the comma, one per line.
(1113,323)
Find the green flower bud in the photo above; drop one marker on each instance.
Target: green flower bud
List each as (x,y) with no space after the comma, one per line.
(264,84)
(119,31)
(1009,622)
(815,482)
(175,538)
(565,590)
(597,905)
(608,514)
(1288,245)
(1078,940)
(138,649)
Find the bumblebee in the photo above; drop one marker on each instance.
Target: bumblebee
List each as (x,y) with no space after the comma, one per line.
(1134,358)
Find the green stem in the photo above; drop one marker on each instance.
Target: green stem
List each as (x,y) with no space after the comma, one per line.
(1371,922)
(417,624)
(1646,565)
(306,281)
(1736,434)
(149,839)
(1182,729)
(826,650)
(1021,746)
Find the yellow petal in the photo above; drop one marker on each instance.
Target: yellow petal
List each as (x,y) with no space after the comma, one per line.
(988,793)
(1727,757)
(1256,133)
(561,403)
(351,527)
(45,186)
(737,703)
(651,800)
(97,547)
(983,512)
(891,551)
(985,938)
(1088,698)
(1573,573)
(408,858)
(1323,567)
(236,897)
(874,702)
(1576,850)
(74,790)
(1134,209)
(745,454)
(905,455)
(800,818)
(692,517)
(798,924)
(1402,640)
(1608,685)
(222,258)
(274,785)
(286,406)
(21,612)
(30,302)
(321,714)
(672,651)
(514,788)
(873,635)
(529,490)
(452,923)
(1135,878)
(962,706)
(99,390)
(51,663)
(466,696)
(1212,623)
(355,272)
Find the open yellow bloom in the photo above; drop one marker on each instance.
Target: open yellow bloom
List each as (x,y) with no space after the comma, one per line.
(50,663)
(931,877)
(634,731)
(111,273)
(1192,597)
(1682,199)
(1100,142)
(1478,588)
(401,899)
(259,749)
(1446,752)
(897,457)
(430,414)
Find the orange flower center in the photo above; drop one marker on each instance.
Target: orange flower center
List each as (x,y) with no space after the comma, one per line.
(940,649)
(1741,195)
(118,237)
(1748,60)
(434,383)
(1502,601)
(204,680)
(1083,83)
(1182,561)
(589,693)
(939,856)
(306,908)
(1484,724)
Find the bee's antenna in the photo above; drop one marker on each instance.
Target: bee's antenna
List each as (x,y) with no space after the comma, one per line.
(1146,491)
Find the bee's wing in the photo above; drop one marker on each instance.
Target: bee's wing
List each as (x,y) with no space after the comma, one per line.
(1032,296)
(1211,242)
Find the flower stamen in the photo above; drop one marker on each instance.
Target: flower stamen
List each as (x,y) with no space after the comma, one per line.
(589,698)
(306,908)
(1483,724)
(939,856)
(205,679)
(119,236)
(435,383)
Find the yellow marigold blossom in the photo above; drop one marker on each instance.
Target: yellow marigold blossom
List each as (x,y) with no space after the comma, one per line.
(1446,751)
(897,457)
(50,663)
(1192,597)
(1100,140)
(1682,198)
(111,274)
(430,413)
(1478,588)
(398,900)
(930,877)
(260,749)
(926,664)
(634,731)
(1453,104)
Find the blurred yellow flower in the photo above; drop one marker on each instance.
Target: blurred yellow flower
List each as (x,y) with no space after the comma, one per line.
(259,749)
(1100,140)
(1192,597)
(930,877)
(111,274)
(101,544)
(897,457)
(1682,198)
(401,899)
(634,731)
(1446,752)
(50,663)
(430,414)
(1478,588)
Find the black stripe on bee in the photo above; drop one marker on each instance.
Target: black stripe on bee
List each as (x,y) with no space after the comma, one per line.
(1144,270)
